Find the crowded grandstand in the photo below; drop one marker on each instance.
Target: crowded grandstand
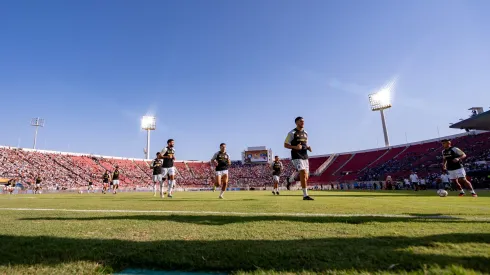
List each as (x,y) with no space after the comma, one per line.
(366,169)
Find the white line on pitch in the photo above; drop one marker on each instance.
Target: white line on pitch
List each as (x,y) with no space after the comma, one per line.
(243,213)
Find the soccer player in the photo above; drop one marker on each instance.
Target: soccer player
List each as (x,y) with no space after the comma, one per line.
(168,156)
(157,175)
(90,186)
(297,141)
(276,167)
(415,181)
(105,181)
(389,183)
(10,186)
(222,161)
(452,162)
(37,189)
(115,180)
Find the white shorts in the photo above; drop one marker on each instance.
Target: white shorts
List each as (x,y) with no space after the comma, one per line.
(275,178)
(457,174)
(221,173)
(168,171)
(38,185)
(115,182)
(301,164)
(157,178)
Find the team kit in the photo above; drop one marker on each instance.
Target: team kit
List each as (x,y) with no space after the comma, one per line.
(297,141)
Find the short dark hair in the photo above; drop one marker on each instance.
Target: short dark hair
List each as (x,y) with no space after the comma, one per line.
(222,144)
(170,140)
(298,118)
(446,140)
(276,156)
(158,153)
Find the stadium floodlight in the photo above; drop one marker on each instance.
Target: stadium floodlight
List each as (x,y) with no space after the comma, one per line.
(381,101)
(36,122)
(148,123)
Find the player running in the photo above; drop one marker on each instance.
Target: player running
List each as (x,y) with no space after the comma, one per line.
(222,161)
(90,187)
(10,186)
(37,188)
(115,180)
(452,162)
(297,141)
(157,175)
(105,181)
(276,167)
(168,156)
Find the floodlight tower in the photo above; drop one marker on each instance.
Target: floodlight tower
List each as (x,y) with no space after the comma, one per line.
(148,123)
(37,122)
(381,101)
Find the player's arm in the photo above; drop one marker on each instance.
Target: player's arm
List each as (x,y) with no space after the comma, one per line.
(289,139)
(229,160)
(213,159)
(162,153)
(460,153)
(308,147)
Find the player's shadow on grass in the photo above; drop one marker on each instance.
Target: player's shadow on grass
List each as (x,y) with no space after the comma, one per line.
(369,254)
(222,220)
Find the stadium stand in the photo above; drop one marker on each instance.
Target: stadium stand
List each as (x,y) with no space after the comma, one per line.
(71,170)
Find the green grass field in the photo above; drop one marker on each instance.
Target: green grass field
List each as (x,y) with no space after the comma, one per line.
(248,232)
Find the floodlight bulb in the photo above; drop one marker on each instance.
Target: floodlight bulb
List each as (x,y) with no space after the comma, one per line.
(148,122)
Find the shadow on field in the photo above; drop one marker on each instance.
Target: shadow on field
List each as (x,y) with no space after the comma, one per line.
(222,220)
(334,254)
(365,195)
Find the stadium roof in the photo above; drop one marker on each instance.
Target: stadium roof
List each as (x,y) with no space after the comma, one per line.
(478,122)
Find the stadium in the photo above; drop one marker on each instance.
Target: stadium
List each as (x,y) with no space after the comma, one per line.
(244,137)
(357,223)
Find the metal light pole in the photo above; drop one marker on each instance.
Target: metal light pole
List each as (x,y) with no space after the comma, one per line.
(36,122)
(148,123)
(380,101)
(385,131)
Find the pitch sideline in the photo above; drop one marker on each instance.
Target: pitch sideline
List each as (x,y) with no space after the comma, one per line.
(244,213)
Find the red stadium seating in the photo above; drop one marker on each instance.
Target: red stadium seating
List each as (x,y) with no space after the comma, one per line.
(76,170)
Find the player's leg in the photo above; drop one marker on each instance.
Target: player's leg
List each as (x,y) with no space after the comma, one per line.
(461,174)
(171,181)
(276,185)
(453,176)
(303,167)
(224,184)
(217,180)
(155,181)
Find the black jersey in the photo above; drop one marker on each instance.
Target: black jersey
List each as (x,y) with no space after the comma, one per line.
(105,177)
(157,166)
(449,155)
(10,183)
(115,175)
(222,159)
(294,138)
(170,153)
(90,183)
(38,180)
(276,168)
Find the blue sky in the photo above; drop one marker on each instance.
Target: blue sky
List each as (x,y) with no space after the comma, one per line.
(237,72)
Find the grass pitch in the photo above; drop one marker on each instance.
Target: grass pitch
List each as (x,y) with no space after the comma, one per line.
(248,232)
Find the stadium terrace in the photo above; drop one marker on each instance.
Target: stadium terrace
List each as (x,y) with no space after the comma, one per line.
(68,171)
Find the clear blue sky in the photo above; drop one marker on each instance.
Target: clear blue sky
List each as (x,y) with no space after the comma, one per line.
(237,72)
